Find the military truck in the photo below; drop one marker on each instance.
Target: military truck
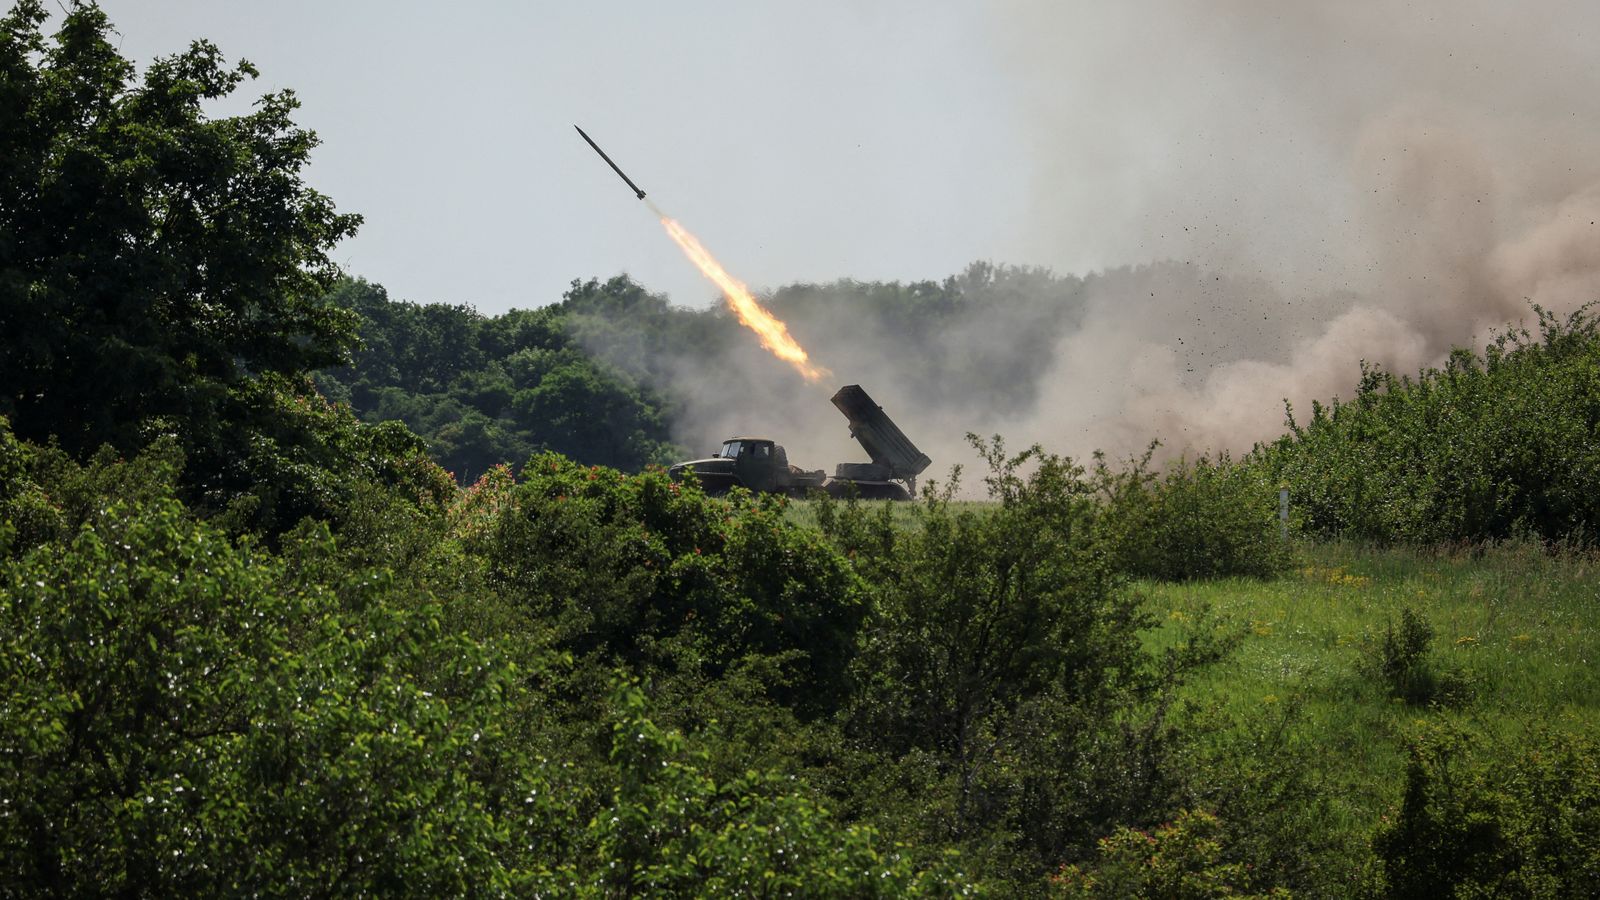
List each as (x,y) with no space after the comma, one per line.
(762,465)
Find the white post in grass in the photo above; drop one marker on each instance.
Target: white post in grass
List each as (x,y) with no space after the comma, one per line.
(1283,512)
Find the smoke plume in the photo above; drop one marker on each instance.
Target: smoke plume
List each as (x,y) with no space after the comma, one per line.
(1393,179)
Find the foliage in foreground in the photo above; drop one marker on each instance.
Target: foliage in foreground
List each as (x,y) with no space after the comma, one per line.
(1525,824)
(186,714)
(1005,698)
(190,713)
(645,572)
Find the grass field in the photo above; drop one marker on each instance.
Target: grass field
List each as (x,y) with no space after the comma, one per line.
(1514,624)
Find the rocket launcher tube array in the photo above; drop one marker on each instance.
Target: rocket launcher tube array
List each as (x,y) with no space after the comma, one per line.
(878,435)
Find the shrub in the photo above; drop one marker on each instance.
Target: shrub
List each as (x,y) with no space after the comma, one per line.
(640,570)
(670,829)
(1003,691)
(1400,660)
(27,517)
(1489,447)
(1181,860)
(1209,517)
(188,715)
(1263,774)
(1523,825)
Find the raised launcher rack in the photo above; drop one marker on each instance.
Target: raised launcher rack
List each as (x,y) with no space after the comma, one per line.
(894,457)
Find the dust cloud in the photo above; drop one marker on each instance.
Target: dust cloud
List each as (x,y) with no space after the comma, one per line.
(1394,179)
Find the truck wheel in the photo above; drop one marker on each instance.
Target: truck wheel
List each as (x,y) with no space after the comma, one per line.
(838,490)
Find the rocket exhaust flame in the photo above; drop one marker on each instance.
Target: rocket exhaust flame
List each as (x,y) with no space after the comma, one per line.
(774,335)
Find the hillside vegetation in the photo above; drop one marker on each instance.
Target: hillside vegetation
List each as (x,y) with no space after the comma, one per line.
(253,643)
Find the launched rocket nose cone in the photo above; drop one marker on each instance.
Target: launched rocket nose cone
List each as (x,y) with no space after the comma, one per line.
(629,181)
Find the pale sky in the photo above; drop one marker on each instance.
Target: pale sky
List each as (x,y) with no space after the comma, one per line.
(800,141)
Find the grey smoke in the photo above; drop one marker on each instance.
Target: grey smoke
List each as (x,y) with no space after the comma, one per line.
(1401,178)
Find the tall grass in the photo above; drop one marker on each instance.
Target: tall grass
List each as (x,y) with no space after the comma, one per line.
(1513,619)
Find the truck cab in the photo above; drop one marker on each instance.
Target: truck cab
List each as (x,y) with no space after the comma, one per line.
(748,462)
(755,463)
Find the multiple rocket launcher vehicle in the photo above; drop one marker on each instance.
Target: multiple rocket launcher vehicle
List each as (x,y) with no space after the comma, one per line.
(762,465)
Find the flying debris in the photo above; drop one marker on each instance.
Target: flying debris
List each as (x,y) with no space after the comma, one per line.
(613,165)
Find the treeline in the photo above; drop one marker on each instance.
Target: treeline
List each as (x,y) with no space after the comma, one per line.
(614,375)
(483,391)
(1494,445)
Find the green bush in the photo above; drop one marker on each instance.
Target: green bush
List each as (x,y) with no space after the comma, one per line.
(1004,698)
(1522,824)
(1399,659)
(1492,446)
(27,517)
(1210,517)
(1181,860)
(1263,774)
(670,829)
(187,715)
(642,570)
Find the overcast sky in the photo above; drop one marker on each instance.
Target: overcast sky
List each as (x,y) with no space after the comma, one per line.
(799,141)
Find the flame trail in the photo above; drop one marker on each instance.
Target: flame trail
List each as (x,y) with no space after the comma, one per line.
(770,329)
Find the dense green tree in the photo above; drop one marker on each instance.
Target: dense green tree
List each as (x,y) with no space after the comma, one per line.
(482,391)
(164,272)
(152,258)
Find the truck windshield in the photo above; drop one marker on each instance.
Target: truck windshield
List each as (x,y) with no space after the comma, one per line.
(730,450)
